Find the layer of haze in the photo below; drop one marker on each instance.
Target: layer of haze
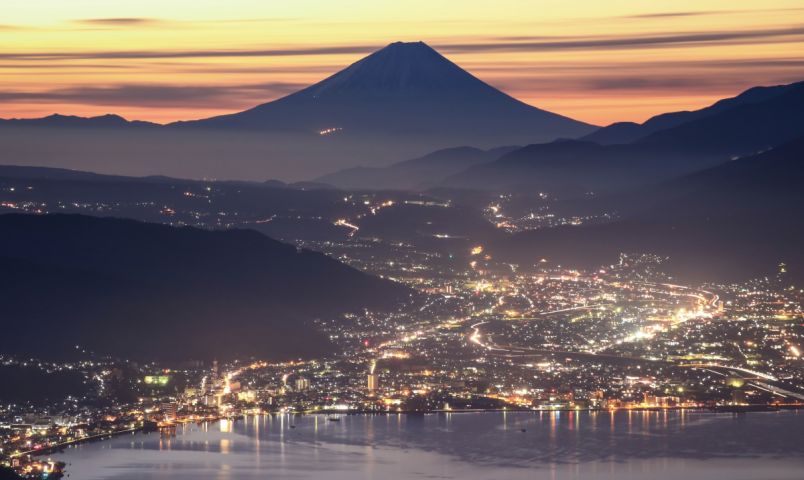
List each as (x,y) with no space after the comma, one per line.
(599,62)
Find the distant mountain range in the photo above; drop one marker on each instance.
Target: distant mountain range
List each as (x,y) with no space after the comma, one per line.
(628,132)
(65,174)
(72,121)
(416,174)
(737,220)
(400,102)
(729,222)
(612,159)
(752,122)
(143,290)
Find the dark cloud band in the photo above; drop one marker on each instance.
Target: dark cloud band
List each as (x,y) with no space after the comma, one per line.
(515,44)
(154,96)
(521,44)
(119,22)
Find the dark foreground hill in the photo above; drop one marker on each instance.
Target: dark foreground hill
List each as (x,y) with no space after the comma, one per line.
(738,220)
(152,291)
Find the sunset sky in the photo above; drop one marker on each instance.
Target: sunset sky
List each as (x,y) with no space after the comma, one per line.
(596,61)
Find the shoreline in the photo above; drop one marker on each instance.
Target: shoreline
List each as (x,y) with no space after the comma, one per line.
(724,409)
(144,428)
(61,446)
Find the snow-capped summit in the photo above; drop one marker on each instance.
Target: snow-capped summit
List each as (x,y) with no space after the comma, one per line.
(405,89)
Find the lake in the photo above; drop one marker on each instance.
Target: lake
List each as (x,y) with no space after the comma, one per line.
(494,445)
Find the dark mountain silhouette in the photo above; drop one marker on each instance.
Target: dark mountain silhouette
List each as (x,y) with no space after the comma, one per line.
(146,290)
(71,121)
(740,128)
(575,168)
(733,221)
(418,173)
(733,129)
(287,212)
(407,89)
(753,185)
(627,132)
(49,173)
(64,174)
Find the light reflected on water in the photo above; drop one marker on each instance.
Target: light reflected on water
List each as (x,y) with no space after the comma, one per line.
(473,446)
(225,425)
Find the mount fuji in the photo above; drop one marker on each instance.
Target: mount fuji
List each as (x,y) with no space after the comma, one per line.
(402,101)
(405,89)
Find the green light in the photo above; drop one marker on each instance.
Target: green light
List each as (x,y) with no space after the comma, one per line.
(158,380)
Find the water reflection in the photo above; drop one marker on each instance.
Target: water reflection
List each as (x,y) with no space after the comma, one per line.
(554,445)
(225,425)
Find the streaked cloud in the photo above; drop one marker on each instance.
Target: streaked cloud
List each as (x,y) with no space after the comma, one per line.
(21,66)
(607,84)
(702,13)
(691,13)
(154,96)
(503,44)
(668,67)
(157,54)
(525,44)
(119,22)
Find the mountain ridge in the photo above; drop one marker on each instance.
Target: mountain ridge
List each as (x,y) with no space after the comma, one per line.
(131,288)
(627,132)
(109,120)
(575,167)
(417,173)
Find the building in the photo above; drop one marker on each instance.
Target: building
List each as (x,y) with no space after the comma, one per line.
(302,384)
(170,411)
(373,382)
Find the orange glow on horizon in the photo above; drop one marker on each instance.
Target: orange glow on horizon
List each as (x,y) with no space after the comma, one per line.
(181,59)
